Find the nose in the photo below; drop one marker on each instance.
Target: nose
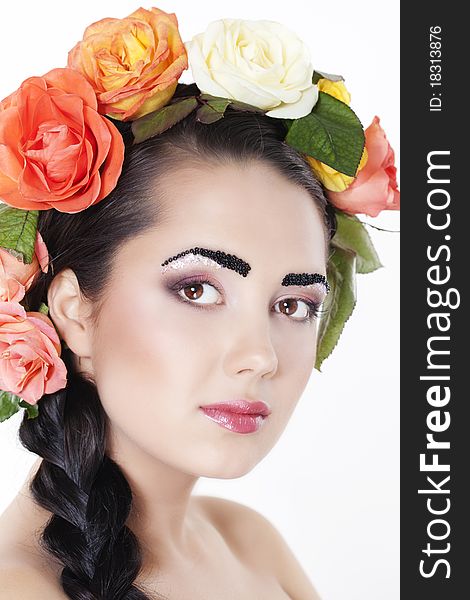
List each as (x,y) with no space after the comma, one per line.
(250,350)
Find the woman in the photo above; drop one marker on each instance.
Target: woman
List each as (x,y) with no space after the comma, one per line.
(168,296)
(156,354)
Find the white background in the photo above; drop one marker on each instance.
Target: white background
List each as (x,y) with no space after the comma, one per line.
(331,485)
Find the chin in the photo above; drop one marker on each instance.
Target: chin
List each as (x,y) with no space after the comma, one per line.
(224,473)
(228,467)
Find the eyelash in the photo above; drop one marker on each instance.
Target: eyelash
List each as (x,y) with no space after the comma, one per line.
(314,309)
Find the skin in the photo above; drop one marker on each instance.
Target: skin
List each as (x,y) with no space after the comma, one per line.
(156,359)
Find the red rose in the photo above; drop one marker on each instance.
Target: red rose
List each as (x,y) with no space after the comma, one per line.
(56,150)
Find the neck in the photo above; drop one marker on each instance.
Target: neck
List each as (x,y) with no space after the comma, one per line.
(162,515)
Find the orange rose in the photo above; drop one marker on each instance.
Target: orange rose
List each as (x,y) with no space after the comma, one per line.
(56,151)
(30,365)
(133,63)
(375,187)
(17,277)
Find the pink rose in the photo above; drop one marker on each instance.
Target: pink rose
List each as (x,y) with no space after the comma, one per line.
(17,277)
(30,365)
(375,188)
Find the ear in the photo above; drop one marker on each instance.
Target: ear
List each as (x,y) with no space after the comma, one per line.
(69,311)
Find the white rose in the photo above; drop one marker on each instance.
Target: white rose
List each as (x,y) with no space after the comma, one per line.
(261,63)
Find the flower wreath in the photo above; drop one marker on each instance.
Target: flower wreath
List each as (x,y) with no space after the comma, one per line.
(61,148)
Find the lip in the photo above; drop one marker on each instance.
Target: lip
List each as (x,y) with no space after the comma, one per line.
(241,406)
(239,416)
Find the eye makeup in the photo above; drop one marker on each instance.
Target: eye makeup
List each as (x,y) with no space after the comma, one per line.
(219,259)
(313,306)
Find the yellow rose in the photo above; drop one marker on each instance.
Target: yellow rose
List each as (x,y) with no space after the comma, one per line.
(334,180)
(133,63)
(337,89)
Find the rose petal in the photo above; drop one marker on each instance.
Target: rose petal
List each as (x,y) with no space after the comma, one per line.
(112,167)
(369,199)
(299,109)
(10,132)
(69,81)
(88,197)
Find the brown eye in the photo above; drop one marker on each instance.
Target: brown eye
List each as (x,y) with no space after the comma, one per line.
(290,306)
(195,290)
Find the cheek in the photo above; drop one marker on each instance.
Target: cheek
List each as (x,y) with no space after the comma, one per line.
(296,351)
(151,353)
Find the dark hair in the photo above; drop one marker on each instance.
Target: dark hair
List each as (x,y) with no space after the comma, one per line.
(84,489)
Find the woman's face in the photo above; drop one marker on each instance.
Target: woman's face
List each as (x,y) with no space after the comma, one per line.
(166,344)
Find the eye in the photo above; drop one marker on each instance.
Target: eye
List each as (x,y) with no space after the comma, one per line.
(197,288)
(192,291)
(289,306)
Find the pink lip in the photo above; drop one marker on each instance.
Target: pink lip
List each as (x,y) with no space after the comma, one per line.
(239,416)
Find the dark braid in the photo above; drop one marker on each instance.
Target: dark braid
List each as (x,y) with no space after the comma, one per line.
(87,492)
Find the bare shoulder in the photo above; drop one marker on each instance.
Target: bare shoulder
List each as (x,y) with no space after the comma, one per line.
(258,542)
(25,574)
(28,583)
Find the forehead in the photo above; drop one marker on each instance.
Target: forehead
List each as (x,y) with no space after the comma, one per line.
(250,208)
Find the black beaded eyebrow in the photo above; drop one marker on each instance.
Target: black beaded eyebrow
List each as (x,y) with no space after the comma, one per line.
(231,261)
(306,279)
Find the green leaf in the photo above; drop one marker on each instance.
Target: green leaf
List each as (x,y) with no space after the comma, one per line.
(31,409)
(320,75)
(212,110)
(237,105)
(340,302)
(160,120)
(331,133)
(44,309)
(9,405)
(216,102)
(205,114)
(18,231)
(352,235)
